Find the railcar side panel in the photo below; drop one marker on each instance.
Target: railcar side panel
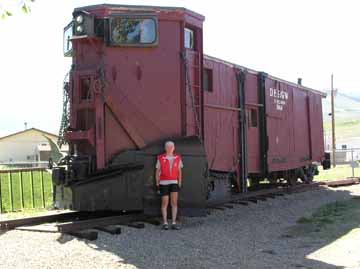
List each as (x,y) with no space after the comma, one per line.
(221,117)
(294,128)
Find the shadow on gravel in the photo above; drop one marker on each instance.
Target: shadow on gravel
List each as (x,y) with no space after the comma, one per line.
(243,237)
(324,226)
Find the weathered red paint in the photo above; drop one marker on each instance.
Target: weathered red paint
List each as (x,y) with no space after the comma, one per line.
(294,129)
(143,97)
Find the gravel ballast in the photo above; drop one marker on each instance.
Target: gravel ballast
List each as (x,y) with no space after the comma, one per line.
(250,236)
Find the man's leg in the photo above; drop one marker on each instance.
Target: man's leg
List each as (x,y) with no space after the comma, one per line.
(174,200)
(164,206)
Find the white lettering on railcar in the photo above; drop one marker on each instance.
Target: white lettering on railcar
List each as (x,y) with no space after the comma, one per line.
(280,97)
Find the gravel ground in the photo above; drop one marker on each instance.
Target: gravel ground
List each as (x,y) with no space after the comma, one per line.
(243,237)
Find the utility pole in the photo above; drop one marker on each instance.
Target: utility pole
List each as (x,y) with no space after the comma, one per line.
(333,120)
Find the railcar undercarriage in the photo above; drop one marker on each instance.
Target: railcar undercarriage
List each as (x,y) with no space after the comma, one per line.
(128,183)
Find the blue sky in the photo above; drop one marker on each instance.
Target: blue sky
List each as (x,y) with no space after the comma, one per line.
(288,39)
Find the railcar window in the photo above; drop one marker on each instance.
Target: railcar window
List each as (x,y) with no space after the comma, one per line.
(208,80)
(189,38)
(68,33)
(133,31)
(253,122)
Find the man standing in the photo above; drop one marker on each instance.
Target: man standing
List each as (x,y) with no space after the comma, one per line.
(168,181)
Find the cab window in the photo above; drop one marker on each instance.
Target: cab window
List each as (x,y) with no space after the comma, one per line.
(189,38)
(133,31)
(68,33)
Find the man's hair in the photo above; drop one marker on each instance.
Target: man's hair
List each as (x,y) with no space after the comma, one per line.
(168,143)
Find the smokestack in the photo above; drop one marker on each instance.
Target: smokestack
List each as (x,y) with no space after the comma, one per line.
(25,125)
(300,81)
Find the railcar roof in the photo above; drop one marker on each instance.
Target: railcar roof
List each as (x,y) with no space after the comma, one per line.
(211,58)
(140,7)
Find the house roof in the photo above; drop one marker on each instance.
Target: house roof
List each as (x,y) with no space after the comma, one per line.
(27,130)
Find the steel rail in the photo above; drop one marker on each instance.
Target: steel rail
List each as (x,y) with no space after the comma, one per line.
(260,194)
(98,222)
(14,223)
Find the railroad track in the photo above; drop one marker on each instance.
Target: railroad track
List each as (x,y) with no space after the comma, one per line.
(79,224)
(86,225)
(263,195)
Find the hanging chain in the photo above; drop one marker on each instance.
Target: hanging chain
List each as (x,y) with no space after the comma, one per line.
(192,97)
(65,118)
(100,81)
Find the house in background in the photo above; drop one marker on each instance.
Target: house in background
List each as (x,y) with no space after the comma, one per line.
(29,147)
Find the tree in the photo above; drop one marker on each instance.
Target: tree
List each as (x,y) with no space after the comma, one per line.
(6,7)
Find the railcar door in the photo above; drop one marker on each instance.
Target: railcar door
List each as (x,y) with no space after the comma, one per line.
(252,122)
(252,107)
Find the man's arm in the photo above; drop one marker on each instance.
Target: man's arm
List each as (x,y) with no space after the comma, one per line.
(157,173)
(180,172)
(180,177)
(157,176)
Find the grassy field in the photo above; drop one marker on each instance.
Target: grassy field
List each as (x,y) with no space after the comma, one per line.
(18,190)
(339,172)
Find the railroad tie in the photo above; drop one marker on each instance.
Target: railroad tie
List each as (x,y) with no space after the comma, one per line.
(90,234)
(240,202)
(269,195)
(252,199)
(111,229)
(153,221)
(136,225)
(218,208)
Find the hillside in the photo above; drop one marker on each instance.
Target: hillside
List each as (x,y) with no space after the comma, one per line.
(347,107)
(347,119)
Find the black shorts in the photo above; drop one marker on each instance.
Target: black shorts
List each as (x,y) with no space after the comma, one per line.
(167,189)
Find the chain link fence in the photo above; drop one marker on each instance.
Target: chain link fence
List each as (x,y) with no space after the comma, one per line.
(347,165)
(26,188)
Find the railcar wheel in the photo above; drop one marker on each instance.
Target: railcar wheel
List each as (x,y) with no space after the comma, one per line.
(302,175)
(254,182)
(311,172)
(291,178)
(273,179)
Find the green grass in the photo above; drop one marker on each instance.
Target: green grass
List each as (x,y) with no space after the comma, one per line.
(339,172)
(329,221)
(20,191)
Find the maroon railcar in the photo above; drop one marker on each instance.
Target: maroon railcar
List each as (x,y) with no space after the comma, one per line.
(282,123)
(139,77)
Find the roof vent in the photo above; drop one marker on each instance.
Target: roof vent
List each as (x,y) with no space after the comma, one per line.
(300,81)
